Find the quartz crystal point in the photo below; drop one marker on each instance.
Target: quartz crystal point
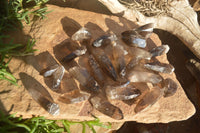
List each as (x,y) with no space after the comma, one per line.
(119,56)
(145,30)
(170,87)
(139,76)
(105,62)
(57,72)
(40,94)
(57,77)
(194,67)
(123,92)
(105,40)
(160,50)
(81,34)
(81,51)
(73,97)
(160,67)
(137,37)
(105,107)
(132,38)
(98,74)
(49,70)
(147,27)
(149,99)
(84,78)
(140,53)
(47,104)
(132,63)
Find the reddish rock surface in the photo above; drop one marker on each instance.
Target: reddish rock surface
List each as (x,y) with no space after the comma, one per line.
(52,36)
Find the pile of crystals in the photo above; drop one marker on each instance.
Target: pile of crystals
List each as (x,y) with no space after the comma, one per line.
(115,70)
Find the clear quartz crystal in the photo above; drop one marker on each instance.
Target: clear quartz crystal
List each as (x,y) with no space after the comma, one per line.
(45,102)
(81,34)
(105,107)
(119,57)
(80,51)
(132,38)
(160,50)
(105,40)
(147,27)
(84,78)
(58,76)
(123,92)
(57,73)
(49,70)
(53,108)
(149,99)
(140,53)
(74,96)
(105,62)
(132,63)
(160,67)
(98,74)
(145,30)
(140,76)
(139,42)
(42,96)
(137,37)
(170,87)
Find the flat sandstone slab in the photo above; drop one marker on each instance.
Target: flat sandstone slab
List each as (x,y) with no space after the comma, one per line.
(55,32)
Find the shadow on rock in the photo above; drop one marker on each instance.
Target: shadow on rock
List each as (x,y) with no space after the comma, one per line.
(70,26)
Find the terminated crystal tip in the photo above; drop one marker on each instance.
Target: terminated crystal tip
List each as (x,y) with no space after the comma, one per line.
(105,40)
(170,87)
(81,51)
(57,73)
(160,50)
(49,70)
(160,67)
(149,99)
(147,27)
(123,92)
(74,96)
(81,34)
(132,38)
(58,76)
(105,107)
(85,79)
(53,109)
(139,76)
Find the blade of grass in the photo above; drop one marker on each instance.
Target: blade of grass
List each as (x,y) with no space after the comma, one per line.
(84,127)
(5,73)
(35,126)
(67,126)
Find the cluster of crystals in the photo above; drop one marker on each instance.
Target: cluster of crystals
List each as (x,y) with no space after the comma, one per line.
(116,71)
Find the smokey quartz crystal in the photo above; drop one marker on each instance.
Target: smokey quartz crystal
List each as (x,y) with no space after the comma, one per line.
(109,69)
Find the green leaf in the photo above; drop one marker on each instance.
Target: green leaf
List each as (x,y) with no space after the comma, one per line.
(11,81)
(23,126)
(8,75)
